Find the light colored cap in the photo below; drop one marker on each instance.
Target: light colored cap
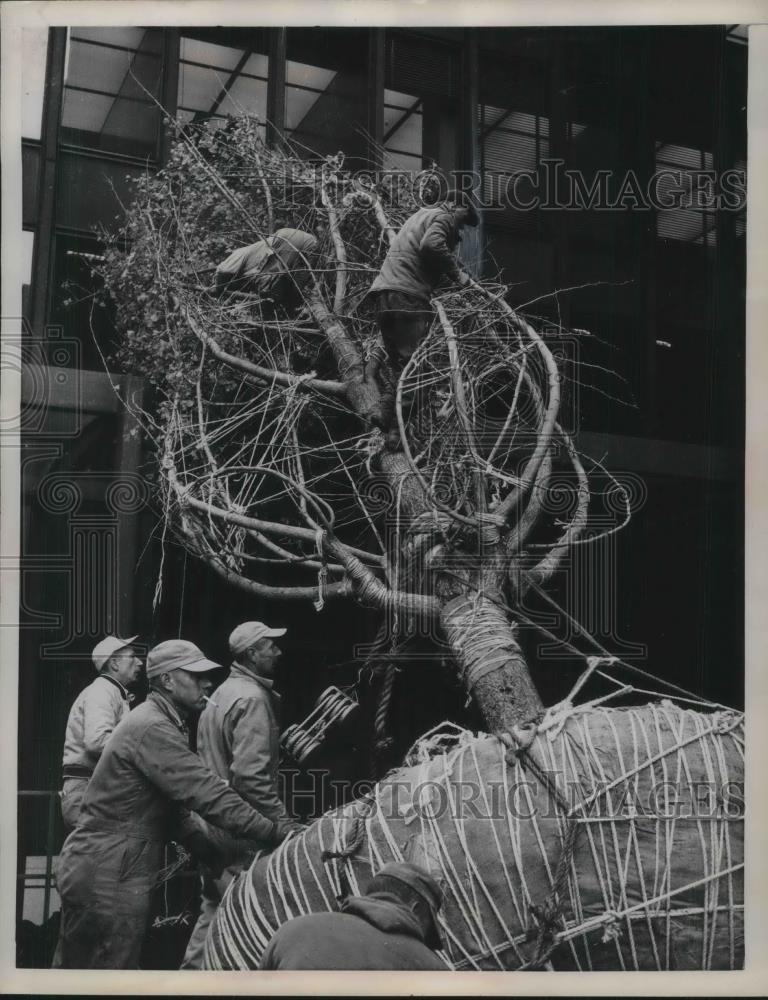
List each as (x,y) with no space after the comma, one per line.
(249,632)
(104,649)
(178,654)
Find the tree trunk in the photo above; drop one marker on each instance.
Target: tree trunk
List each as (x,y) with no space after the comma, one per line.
(473,619)
(490,661)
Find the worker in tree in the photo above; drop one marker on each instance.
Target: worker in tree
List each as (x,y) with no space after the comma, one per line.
(139,797)
(276,269)
(238,738)
(392,927)
(422,253)
(94,715)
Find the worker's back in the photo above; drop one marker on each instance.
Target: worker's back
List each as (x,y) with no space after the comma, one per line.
(256,268)
(372,932)
(407,267)
(93,716)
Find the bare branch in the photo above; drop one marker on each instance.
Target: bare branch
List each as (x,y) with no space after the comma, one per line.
(257,371)
(338,242)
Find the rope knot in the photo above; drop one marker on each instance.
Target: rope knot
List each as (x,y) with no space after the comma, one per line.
(555,718)
(518,741)
(523,735)
(611,926)
(543,931)
(726,721)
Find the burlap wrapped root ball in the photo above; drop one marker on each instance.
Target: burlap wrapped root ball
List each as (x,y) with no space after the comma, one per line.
(614,841)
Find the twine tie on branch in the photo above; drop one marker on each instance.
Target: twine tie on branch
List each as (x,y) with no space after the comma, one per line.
(322,573)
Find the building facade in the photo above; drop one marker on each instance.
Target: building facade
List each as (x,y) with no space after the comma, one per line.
(659,287)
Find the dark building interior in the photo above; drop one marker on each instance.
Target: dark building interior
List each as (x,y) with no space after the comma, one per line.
(660,397)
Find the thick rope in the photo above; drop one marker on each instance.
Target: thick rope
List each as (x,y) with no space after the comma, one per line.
(383,741)
(480,634)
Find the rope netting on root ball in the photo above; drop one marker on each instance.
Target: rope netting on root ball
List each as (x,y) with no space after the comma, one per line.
(606,839)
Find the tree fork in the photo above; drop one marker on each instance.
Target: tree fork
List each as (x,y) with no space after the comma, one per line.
(477,628)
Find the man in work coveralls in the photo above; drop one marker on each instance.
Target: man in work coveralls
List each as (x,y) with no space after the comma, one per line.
(238,738)
(421,255)
(109,865)
(276,268)
(393,926)
(93,716)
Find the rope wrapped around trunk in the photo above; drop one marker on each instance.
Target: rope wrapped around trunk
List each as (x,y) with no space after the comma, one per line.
(480,635)
(612,839)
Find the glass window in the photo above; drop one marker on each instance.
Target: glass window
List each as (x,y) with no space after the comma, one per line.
(403,131)
(741,218)
(326,100)
(27,247)
(218,80)
(34,47)
(72,302)
(113,77)
(421,113)
(304,86)
(26,250)
(692,219)
(738,33)
(511,142)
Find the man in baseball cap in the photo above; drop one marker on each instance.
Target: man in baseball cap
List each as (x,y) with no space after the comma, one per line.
(179,670)
(146,778)
(249,634)
(94,715)
(238,738)
(392,926)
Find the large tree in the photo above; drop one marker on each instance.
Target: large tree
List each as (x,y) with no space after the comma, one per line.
(267,426)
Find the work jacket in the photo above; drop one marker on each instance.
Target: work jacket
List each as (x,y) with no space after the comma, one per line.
(378,931)
(93,717)
(422,252)
(288,251)
(238,738)
(148,770)
(110,864)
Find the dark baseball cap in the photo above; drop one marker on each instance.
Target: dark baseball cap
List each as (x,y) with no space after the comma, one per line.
(417,879)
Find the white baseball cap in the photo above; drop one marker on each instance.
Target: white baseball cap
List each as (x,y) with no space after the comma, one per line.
(249,632)
(104,649)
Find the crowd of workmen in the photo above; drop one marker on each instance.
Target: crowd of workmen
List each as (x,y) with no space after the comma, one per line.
(132,783)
